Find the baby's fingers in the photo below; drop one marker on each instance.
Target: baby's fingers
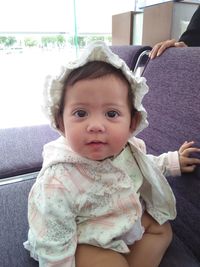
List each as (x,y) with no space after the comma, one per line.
(185,145)
(188,168)
(192,161)
(190,150)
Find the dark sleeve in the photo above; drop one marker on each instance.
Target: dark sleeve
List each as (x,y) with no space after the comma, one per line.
(192,34)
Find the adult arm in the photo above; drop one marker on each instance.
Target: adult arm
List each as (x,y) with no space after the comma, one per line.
(191,37)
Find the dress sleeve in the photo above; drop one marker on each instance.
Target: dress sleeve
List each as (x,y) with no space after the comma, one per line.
(51,215)
(168,163)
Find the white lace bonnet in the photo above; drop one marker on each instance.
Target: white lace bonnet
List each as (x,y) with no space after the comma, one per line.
(96,51)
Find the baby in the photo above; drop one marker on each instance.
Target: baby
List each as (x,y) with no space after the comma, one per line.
(99,200)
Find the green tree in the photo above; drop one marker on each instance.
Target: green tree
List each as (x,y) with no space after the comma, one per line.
(48,40)
(30,42)
(2,40)
(60,40)
(96,38)
(7,40)
(70,40)
(10,41)
(81,41)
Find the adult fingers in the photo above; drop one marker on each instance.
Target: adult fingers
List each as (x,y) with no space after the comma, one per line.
(180,44)
(159,48)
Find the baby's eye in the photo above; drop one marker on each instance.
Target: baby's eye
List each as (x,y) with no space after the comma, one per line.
(80,113)
(112,114)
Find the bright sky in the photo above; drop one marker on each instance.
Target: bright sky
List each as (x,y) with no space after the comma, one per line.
(32,15)
(57,15)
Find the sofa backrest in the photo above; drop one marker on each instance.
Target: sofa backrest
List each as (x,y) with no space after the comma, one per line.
(21,149)
(174,95)
(173,106)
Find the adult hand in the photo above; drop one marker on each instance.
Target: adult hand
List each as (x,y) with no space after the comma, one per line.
(159,48)
(187,163)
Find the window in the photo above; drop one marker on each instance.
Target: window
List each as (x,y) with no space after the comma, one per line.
(36,38)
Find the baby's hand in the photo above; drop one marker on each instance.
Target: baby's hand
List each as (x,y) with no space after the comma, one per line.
(188,164)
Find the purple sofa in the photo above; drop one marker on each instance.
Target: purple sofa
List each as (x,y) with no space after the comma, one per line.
(173,105)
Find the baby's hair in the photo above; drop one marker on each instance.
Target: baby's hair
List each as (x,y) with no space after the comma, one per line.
(94,70)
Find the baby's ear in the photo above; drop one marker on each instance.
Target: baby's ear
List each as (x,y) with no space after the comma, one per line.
(135,121)
(60,124)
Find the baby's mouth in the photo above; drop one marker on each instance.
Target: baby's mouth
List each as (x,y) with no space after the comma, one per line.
(96,143)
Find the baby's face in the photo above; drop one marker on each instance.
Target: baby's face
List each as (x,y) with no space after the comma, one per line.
(96,117)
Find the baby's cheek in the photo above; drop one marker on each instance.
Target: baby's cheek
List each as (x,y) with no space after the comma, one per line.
(119,140)
(73,138)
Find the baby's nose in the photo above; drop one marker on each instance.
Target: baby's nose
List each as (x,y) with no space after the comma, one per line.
(95,126)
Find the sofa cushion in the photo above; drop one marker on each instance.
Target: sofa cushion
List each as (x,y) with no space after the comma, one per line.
(178,255)
(14,224)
